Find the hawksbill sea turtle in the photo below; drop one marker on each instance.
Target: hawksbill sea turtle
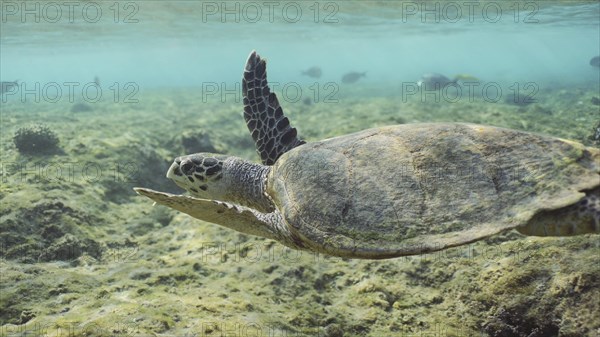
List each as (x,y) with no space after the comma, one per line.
(388,191)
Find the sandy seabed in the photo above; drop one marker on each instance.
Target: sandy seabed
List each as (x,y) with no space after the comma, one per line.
(83,255)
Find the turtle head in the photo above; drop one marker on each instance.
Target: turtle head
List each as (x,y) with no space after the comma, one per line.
(200,174)
(224,178)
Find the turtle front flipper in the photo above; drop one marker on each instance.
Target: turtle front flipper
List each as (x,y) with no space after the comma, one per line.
(271,130)
(239,218)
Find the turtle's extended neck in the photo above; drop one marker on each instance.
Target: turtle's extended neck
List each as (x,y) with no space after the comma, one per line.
(248,182)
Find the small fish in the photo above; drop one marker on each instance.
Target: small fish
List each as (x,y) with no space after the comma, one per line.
(7,86)
(81,107)
(96,81)
(314,72)
(353,77)
(433,81)
(595,61)
(521,100)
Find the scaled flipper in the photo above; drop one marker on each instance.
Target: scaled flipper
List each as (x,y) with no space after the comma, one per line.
(239,218)
(271,130)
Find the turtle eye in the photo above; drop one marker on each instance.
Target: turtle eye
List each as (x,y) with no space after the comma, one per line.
(187,166)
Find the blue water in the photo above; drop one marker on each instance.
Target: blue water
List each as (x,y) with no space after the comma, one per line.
(186,43)
(176,285)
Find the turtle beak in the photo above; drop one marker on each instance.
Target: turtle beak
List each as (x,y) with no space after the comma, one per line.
(176,175)
(174,171)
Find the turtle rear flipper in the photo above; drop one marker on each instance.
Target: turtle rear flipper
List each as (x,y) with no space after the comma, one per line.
(271,130)
(580,218)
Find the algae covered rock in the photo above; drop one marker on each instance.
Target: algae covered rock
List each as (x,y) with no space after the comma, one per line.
(36,139)
(595,136)
(47,231)
(194,141)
